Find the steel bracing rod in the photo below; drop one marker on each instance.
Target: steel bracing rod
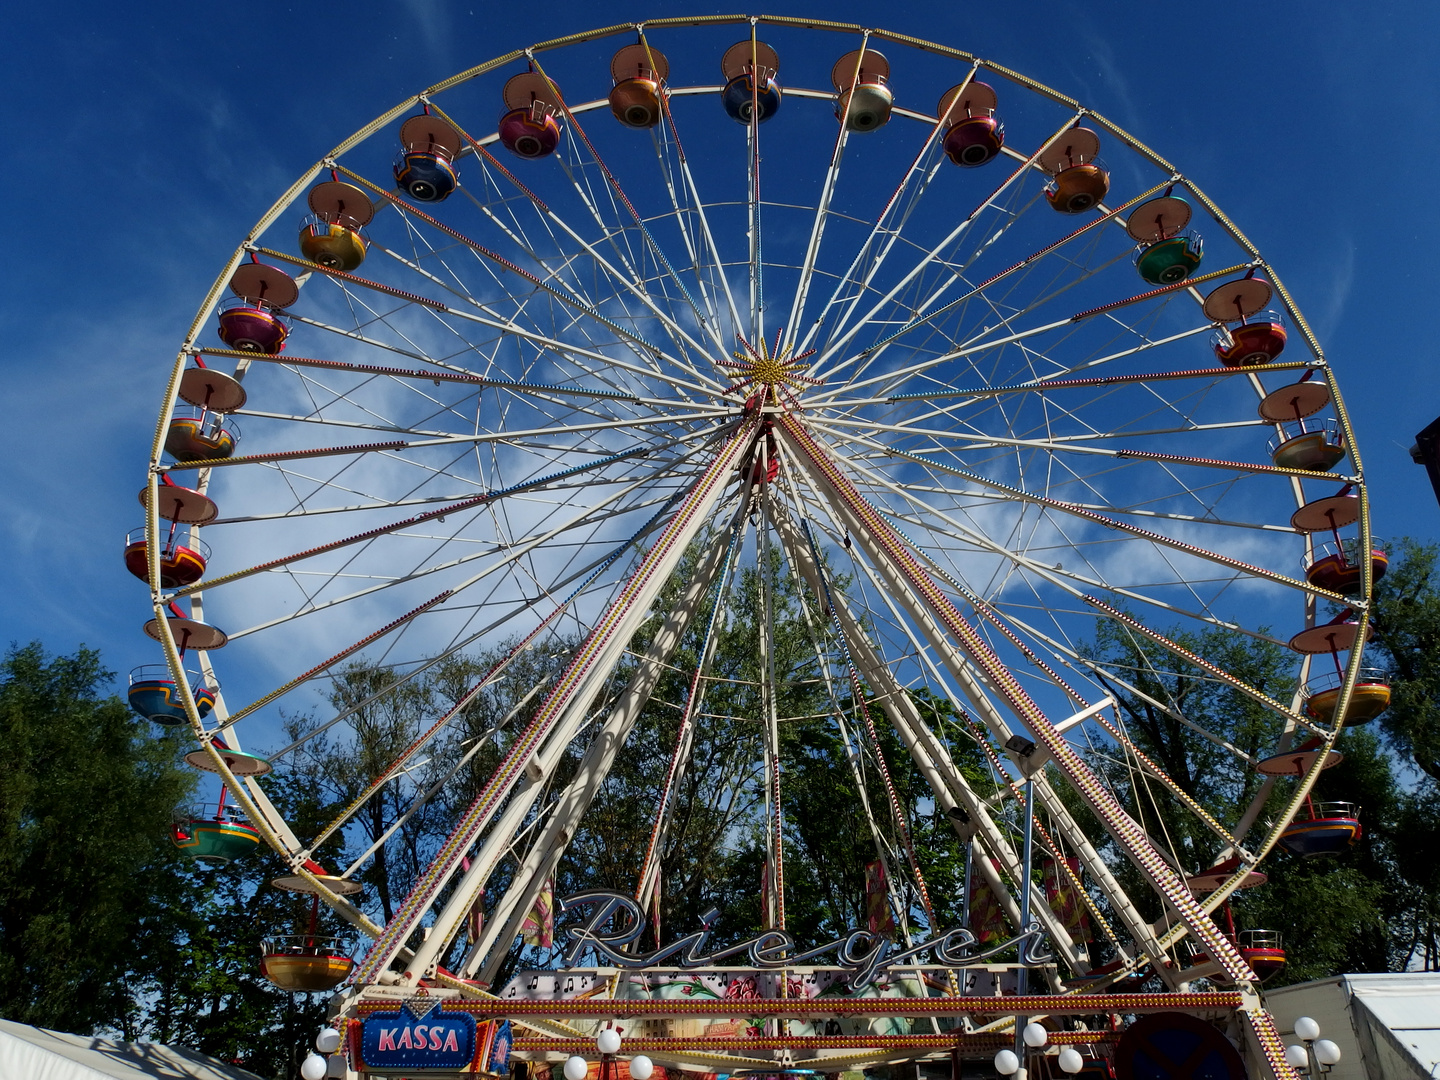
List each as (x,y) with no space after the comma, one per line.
(516,551)
(511,327)
(682,214)
(540,861)
(1045,383)
(611,736)
(1070,655)
(884,851)
(947,783)
(614,183)
(929,753)
(489,679)
(1100,870)
(1000,849)
(704,220)
(836,344)
(973,439)
(867,355)
(971,346)
(1056,379)
(447,376)
(423,798)
(857,689)
(992,616)
(694,699)
(430,515)
(1058,578)
(602,360)
(443,438)
(1086,514)
(845,278)
(699,203)
(889,553)
(564,298)
(577,686)
(1042,382)
(631,284)
(822,207)
(1213,670)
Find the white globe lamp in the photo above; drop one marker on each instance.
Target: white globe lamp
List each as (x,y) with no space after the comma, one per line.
(1327,1053)
(641,1067)
(328,1041)
(576,1067)
(608,1041)
(1296,1057)
(1006,1063)
(313,1067)
(1070,1060)
(1306,1029)
(1035,1036)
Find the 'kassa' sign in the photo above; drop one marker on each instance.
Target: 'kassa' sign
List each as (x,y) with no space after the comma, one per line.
(403,1039)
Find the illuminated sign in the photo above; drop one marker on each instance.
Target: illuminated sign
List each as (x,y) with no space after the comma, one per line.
(407,1039)
(615,920)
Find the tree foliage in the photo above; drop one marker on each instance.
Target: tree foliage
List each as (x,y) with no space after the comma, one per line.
(86,800)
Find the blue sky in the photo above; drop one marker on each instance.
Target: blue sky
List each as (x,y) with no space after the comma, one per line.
(142,142)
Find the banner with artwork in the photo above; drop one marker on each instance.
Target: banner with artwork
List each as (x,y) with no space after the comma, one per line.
(879,919)
(987,922)
(1064,897)
(539,926)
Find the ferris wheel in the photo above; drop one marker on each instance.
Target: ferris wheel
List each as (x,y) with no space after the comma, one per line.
(933,352)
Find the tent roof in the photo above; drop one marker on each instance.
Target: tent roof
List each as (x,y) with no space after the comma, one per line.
(39,1054)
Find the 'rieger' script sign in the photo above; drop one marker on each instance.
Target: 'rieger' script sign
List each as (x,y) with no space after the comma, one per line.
(615,920)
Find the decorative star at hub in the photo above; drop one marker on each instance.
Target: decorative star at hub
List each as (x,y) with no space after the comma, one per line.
(771,369)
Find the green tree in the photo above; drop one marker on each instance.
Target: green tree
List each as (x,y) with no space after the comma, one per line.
(87,796)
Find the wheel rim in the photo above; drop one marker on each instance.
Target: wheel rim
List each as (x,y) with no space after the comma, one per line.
(569,451)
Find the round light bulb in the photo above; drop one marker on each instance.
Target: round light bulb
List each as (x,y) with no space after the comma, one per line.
(1327,1053)
(1296,1057)
(641,1067)
(1070,1060)
(1006,1063)
(313,1067)
(1035,1035)
(608,1041)
(1306,1029)
(328,1041)
(576,1067)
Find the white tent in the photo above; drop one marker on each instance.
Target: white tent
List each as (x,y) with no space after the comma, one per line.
(1386,1025)
(30,1053)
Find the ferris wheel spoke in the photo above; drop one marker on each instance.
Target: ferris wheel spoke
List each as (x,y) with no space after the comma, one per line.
(500,261)
(1070,581)
(440,514)
(651,243)
(894,233)
(488,679)
(512,327)
(841,337)
(517,550)
(946,781)
(541,860)
(604,644)
(868,355)
(1132,840)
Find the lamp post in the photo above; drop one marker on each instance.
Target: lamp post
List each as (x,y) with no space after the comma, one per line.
(1033,1038)
(1316,1057)
(608,1045)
